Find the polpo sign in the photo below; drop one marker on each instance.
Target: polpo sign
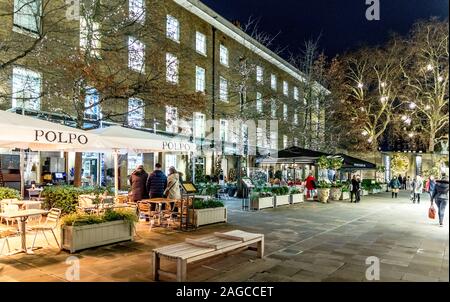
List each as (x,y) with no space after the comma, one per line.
(60,137)
(171,146)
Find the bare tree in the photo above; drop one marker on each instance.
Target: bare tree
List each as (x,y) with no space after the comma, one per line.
(426,73)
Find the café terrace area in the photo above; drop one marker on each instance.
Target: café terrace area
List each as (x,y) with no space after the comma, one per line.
(309,241)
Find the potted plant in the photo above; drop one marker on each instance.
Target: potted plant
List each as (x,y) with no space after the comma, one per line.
(81,231)
(366,185)
(323,163)
(282,196)
(296,195)
(345,195)
(336,191)
(323,191)
(208,212)
(261,199)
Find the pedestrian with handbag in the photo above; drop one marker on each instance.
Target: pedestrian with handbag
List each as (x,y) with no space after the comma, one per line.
(440,197)
(394,184)
(355,189)
(173,185)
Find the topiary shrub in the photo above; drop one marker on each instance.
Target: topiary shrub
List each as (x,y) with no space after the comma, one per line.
(8,193)
(207,204)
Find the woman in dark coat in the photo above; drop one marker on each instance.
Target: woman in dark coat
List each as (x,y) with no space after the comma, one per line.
(138,181)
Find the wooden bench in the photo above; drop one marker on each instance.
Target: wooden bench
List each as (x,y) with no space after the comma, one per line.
(193,250)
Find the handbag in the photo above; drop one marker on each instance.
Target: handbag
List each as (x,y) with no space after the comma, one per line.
(166,191)
(432,212)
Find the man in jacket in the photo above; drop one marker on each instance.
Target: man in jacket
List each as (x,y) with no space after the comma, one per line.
(156,183)
(138,181)
(355,189)
(440,196)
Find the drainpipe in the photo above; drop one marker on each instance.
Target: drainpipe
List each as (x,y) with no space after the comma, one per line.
(213,109)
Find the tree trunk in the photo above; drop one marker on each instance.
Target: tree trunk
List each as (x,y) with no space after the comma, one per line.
(77,168)
(431,142)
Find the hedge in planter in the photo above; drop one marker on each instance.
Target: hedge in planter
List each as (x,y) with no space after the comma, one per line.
(261,200)
(8,193)
(66,197)
(296,195)
(281,195)
(208,212)
(81,231)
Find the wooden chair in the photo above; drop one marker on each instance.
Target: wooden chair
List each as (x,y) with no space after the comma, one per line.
(51,223)
(145,209)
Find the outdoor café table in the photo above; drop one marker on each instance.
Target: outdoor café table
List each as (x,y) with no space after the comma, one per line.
(23,216)
(159,202)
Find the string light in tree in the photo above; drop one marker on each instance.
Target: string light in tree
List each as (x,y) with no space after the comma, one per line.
(427,107)
(360,85)
(440,79)
(412,105)
(383,99)
(429,67)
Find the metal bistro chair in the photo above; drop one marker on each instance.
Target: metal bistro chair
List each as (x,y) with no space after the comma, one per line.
(9,208)
(51,223)
(4,235)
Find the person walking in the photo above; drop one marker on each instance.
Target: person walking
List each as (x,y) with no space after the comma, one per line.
(221,178)
(404,182)
(138,184)
(394,184)
(310,185)
(408,184)
(172,190)
(156,183)
(417,188)
(440,197)
(430,185)
(355,190)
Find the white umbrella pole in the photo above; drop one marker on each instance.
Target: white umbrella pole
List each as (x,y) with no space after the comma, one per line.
(116,173)
(22,176)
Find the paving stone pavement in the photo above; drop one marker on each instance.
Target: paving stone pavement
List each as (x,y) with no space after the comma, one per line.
(308,242)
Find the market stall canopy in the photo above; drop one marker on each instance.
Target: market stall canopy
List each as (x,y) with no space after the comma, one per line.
(24,132)
(126,139)
(353,163)
(294,155)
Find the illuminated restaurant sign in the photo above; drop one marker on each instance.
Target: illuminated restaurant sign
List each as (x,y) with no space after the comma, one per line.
(58,137)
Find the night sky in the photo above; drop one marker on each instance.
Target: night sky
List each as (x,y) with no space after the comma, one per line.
(342,24)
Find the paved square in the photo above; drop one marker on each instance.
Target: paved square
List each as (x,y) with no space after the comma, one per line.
(304,242)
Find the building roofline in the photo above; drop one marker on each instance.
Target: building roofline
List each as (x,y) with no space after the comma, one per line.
(210,16)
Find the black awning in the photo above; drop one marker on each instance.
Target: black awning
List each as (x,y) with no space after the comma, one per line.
(355,163)
(297,152)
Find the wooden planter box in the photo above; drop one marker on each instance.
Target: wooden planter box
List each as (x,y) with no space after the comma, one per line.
(335,193)
(384,187)
(282,200)
(345,196)
(297,198)
(323,195)
(209,216)
(365,192)
(374,191)
(262,203)
(75,238)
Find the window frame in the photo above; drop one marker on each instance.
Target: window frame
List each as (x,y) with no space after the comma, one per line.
(273,82)
(224,55)
(21,28)
(172,34)
(36,97)
(172,69)
(223,93)
(202,51)
(132,62)
(200,82)
(138,110)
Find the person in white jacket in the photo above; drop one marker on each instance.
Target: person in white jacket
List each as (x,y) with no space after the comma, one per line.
(417,188)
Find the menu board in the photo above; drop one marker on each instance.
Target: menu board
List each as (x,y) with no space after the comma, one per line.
(189,187)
